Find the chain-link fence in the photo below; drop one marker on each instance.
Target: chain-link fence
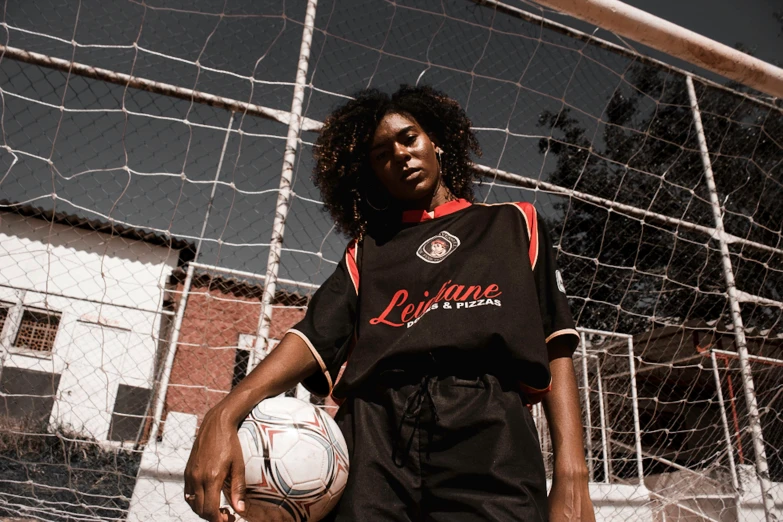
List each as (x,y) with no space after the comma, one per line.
(152,152)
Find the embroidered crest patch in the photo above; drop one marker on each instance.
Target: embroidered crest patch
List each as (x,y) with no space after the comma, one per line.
(438,248)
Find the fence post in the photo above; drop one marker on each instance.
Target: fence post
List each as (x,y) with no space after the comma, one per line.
(588,413)
(284,194)
(163,387)
(726,432)
(762,469)
(602,414)
(637,430)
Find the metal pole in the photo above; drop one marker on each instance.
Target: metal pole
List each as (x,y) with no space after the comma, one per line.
(762,469)
(495,175)
(214,187)
(284,196)
(637,430)
(160,400)
(752,358)
(588,415)
(734,414)
(136,82)
(602,414)
(630,22)
(726,432)
(545,21)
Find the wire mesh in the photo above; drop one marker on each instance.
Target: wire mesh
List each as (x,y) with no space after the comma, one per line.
(109,189)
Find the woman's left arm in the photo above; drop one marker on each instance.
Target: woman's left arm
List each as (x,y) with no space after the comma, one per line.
(569,498)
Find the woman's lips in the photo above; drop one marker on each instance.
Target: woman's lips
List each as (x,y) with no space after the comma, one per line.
(410,174)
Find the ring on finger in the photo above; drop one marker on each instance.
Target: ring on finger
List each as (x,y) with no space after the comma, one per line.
(190,496)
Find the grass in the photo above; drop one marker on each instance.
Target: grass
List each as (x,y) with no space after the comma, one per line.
(59,475)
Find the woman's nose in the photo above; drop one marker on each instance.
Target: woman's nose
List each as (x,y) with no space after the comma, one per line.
(401,152)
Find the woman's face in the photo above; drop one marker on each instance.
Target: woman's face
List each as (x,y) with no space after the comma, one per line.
(404,159)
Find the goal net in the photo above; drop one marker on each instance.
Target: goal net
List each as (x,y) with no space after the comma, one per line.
(141,152)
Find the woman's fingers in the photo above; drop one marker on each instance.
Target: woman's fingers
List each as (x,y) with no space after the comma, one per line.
(238,484)
(228,516)
(190,482)
(211,501)
(197,499)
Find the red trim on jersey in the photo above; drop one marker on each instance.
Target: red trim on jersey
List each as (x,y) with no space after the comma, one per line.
(534,395)
(417,216)
(531,217)
(351,262)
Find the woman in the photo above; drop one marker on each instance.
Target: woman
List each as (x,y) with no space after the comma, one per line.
(441,324)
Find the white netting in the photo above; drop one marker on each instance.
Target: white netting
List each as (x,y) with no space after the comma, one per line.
(114,180)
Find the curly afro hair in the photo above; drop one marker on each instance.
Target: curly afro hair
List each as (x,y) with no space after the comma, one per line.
(343,174)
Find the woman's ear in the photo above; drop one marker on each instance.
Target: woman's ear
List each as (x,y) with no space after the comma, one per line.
(435,144)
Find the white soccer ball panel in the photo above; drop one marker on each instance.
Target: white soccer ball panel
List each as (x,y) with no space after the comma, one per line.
(309,489)
(263,512)
(283,407)
(305,461)
(323,506)
(254,471)
(281,440)
(307,415)
(282,478)
(297,459)
(250,440)
(335,434)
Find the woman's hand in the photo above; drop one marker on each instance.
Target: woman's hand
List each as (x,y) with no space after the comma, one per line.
(216,454)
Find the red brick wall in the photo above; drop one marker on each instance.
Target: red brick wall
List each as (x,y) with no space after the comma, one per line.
(204,363)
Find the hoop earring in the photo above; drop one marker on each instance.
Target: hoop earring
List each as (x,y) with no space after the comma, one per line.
(367,199)
(449,195)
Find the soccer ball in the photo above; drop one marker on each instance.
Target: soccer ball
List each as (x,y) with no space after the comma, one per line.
(296,461)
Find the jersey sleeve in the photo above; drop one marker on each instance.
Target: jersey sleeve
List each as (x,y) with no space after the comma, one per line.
(328,325)
(552,300)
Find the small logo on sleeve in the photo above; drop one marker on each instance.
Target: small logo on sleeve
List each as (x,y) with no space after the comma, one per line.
(438,248)
(559,278)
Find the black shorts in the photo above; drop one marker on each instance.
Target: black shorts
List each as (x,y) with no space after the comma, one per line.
(441,449)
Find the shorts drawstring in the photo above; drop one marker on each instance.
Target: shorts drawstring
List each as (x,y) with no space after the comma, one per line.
(412,410)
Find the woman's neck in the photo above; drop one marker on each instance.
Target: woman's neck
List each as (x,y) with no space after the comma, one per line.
(440,196)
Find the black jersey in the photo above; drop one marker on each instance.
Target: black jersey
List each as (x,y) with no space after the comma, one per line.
(470,284)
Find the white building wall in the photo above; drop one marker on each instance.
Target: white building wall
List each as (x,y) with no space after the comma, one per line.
(109,291)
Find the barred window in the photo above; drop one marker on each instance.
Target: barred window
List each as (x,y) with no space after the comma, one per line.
(3,315)
(37,331)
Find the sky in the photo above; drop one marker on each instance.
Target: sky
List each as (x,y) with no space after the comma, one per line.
(149,160)
(756,24)
(750,22)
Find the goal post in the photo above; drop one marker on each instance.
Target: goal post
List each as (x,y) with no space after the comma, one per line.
(158,222)
(674,40)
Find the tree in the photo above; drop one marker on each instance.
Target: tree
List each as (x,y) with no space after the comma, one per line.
(626,272)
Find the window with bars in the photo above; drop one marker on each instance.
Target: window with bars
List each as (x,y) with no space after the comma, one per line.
(3,315)
(37,331)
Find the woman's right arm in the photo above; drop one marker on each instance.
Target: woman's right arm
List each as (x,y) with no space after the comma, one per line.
(216,454)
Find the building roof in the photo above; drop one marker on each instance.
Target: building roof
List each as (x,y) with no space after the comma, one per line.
(671,341)
(242,288)
(186,248)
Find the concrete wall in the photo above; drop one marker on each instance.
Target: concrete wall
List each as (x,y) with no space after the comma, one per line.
(109,294)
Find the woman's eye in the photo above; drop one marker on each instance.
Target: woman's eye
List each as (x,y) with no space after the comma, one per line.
(410,139)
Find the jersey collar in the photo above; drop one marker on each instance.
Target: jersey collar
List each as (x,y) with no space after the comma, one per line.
(419,216)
